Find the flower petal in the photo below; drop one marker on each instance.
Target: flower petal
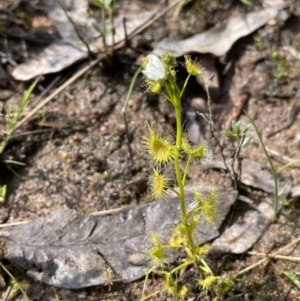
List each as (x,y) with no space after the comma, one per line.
(155,69)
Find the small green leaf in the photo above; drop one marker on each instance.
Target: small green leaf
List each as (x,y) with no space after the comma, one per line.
(99,4)
(236,127)
(98,28)
(108,3)
(229,135)
(246,128)
(292,278)
(246,141)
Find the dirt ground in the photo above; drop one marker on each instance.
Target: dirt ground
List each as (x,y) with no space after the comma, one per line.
(76,147)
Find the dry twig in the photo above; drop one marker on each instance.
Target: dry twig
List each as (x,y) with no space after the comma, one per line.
(274,255)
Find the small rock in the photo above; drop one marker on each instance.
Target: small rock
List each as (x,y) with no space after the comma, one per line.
(138,259)
(199,104)
(4,95)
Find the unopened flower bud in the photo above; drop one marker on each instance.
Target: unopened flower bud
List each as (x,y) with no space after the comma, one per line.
(154,87)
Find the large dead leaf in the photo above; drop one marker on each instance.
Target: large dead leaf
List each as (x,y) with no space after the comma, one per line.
(71,250)
(219,39)
(79,22)
(53,58)
(77,29)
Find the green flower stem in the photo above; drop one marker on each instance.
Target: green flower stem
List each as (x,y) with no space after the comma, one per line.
(169,87)
(145,282)
(207,268)
(185,85)
(175,87)
(175,191)
(175,94)
(167,98)
(186,170)
(178,174)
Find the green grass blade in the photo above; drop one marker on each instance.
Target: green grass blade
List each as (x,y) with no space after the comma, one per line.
(132,84)
(14,279)
(14,162)
(12,124)
(274,175)
(288,165)
(292,278)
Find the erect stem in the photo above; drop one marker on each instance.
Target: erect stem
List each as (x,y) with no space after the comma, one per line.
(178,174)
(274,175)
(187,166)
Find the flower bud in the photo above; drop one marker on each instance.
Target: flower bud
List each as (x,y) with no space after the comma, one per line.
(154,87)
(169,59)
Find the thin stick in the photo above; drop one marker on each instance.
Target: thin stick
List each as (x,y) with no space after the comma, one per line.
(109,211)
(125,107)
(7,293)
(297,161)
(275,153)
(290,258)
(251,267)
(287,246)
(98,213)
(272,255)
(45,91)
(80,36)
(125,31)
(211,123)
(237,175)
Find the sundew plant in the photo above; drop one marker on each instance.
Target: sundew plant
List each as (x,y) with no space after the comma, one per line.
(160,78)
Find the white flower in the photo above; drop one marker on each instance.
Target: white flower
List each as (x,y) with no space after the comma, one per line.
(154,69)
